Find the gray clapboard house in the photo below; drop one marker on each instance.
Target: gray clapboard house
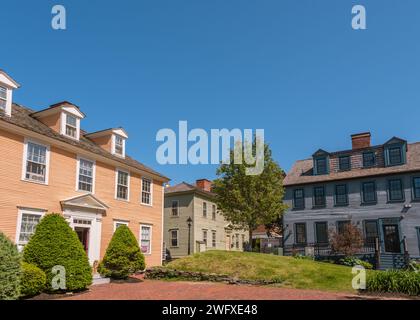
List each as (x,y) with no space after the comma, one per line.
(376,188)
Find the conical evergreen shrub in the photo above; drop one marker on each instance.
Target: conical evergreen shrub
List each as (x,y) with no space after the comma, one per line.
(123,256)
(9,269)
(54,243)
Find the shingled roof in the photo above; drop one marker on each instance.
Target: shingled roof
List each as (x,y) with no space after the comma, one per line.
(21,117)
(185,187)
(301,170)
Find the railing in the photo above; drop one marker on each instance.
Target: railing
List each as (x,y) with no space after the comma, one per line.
(325,250)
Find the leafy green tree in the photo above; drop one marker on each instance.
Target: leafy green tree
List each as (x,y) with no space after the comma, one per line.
(54,243)
(123,255)
(249,200)
(9,269)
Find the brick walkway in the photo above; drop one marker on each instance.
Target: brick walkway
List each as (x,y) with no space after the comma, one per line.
(180,290)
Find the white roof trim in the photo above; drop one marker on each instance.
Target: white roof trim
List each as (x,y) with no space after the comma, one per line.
(8,81)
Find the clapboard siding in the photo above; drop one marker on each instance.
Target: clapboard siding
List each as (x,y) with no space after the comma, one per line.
(15,192)
(355,211)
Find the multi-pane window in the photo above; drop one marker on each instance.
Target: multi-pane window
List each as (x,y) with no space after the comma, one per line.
(36,162)
(71,126)
(119,224)
(3,97)
(319,196)
(122,185)
(368,159)
(145,239)
(298,199)
(371,231)
(175,208)
(321,166)
(341,196)
(342,226)
(27,226)
(237,241)
(146,191)
(321,232)
(416,188)
(213,212)
(213,239)
(300,233)
(369,192)
(395,190)
(204,209)
(119,145)
(344,163)
(85,175)
(395,155)
(174,238)
(205,237)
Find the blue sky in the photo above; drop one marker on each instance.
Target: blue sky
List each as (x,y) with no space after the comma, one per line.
(295,68)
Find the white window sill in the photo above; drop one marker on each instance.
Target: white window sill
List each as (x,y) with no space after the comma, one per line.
(34,181)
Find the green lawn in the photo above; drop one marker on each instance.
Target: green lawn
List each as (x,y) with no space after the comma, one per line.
(295,273)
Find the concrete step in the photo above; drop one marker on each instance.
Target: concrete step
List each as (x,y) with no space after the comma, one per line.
(98,279)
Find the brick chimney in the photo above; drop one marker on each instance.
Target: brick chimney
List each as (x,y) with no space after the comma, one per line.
(360,140)
(203,184)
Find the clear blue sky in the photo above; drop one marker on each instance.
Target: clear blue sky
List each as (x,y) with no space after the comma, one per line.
(294,68)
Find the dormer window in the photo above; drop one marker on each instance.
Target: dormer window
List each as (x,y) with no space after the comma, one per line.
(321,162)
(71,126)
(118,145)
(321,165)
(3,98)
(395,156)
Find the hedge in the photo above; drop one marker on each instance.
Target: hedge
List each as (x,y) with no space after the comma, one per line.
(54,243)
(9,269)
(123,256)
(33,280)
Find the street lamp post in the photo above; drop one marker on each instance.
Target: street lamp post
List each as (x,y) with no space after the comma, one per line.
(189,221)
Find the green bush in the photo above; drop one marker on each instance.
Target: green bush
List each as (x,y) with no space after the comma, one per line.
(9,269)
(394,281)
(352,261)
(123,255)
(54,243)
(33,280)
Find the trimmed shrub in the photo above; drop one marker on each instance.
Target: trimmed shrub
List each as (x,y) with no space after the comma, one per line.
(32,281)
(394,281)
(9,269)
(54,243)
(352,261)
(123,256)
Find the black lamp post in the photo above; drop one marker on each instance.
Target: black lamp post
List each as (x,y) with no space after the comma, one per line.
(189,221)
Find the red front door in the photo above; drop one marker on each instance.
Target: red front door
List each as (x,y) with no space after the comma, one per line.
(83,234)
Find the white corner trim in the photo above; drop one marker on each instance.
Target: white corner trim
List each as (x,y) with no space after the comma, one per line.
(25,157)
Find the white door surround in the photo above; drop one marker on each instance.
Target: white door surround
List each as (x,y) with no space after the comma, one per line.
(86,212)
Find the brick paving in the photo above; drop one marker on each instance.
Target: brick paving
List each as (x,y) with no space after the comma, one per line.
(184,290)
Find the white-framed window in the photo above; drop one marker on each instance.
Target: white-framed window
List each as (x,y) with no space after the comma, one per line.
(118,145)
(28,219)
(205,209)
(174,238)
(70,125)
(175,208)
(213,239)
(146,239)
(119,223)
(36,162)
(146,191)
(122,185)
(3,97)
(213,212)
(205,236)
(85,175)
(237,241)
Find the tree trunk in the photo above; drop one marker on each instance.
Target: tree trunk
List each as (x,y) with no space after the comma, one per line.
(250,238)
